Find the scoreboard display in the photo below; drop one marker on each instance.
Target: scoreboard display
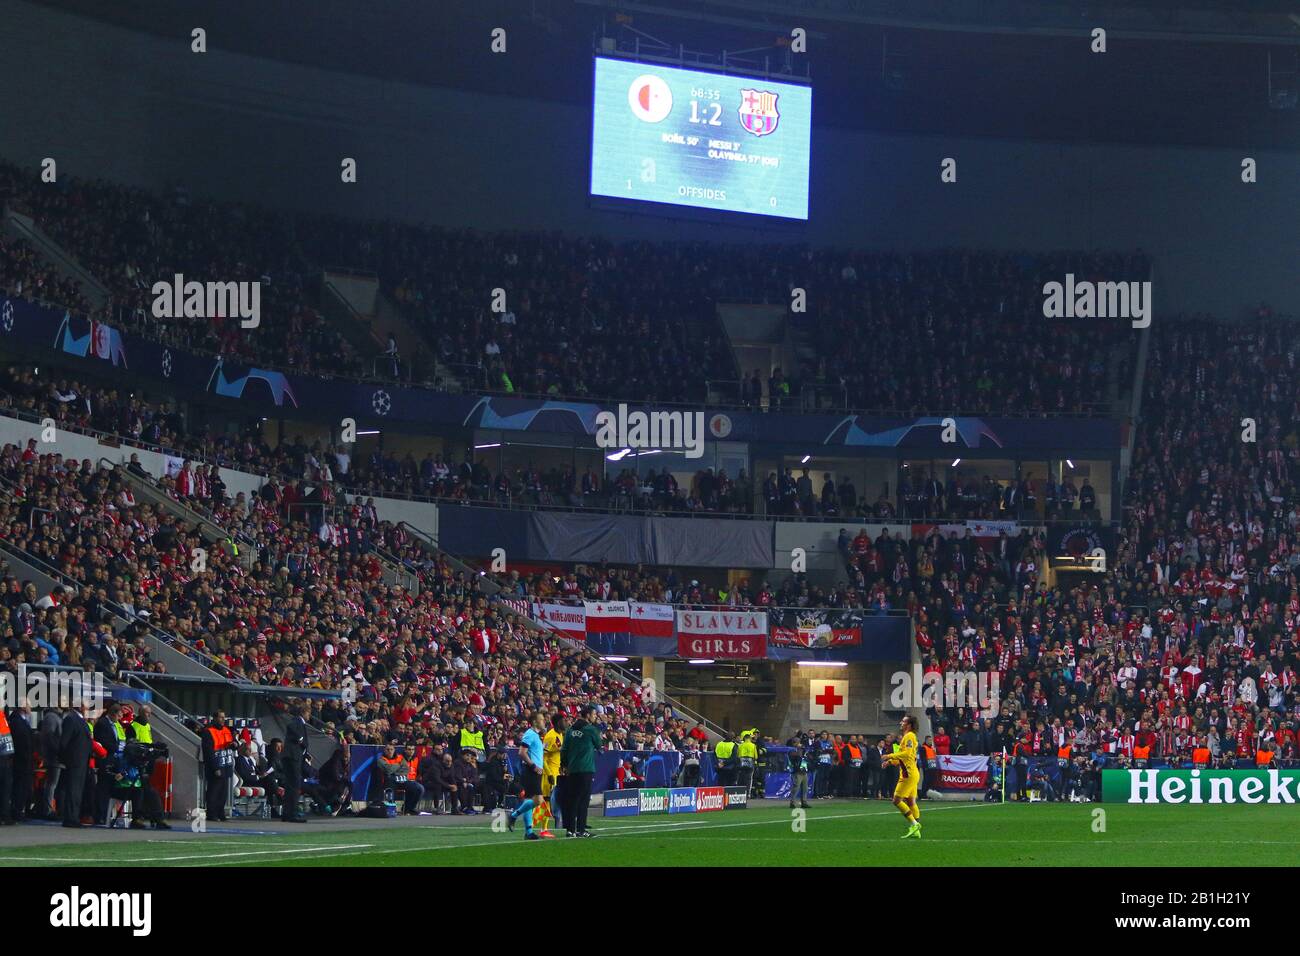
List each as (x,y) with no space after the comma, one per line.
(705,140)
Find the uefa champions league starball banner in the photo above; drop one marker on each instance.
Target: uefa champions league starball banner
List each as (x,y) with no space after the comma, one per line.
(41,332)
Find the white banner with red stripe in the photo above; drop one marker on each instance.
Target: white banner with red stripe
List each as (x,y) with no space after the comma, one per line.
(569,619)
(607,617)
(652,620)
(722,634)
(961,772)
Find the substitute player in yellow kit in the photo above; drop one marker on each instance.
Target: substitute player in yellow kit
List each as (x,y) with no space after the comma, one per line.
(904,756)
(552,744)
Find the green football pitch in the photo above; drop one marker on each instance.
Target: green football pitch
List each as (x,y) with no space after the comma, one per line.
(831,834)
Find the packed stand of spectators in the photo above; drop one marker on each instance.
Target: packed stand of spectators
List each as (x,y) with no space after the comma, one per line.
(24,274)
(85,525)
(1187,650)
(311,610)
(158,424)
(958,331)
(582,316)
(886,574)
(592,317)
(473,482)
(130,238)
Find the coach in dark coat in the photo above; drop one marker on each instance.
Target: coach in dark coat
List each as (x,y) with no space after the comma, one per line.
(74,754)
(105,735)
(24,760)
(50,738)
(295,761)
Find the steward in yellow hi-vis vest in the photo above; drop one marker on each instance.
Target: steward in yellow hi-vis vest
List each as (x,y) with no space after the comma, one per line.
(724,754)
(472,739)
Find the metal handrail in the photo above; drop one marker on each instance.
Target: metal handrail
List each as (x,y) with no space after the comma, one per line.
(175,710)
(31,518)
(705,606)
(118,612)
(626,677)
(428,540)
(195,515)
(405,577)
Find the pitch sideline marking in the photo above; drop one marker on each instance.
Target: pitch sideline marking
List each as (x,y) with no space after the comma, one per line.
(614,832)
(193,856)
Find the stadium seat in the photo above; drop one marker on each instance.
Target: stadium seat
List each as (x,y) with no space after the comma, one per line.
(250,802)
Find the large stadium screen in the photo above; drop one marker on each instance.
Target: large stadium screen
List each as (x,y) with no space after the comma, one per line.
(705,140)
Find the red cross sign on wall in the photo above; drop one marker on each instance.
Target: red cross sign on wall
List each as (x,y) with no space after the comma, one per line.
(828,700)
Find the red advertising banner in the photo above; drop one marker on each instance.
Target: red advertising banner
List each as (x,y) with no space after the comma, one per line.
(722,634)
(802,627)
(710,798)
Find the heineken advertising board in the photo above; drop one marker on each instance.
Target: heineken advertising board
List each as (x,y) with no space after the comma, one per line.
(1200,786)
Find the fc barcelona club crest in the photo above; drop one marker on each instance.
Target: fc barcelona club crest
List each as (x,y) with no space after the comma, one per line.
(758,111)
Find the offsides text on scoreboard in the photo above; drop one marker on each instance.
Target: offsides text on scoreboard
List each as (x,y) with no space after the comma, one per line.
(704,140)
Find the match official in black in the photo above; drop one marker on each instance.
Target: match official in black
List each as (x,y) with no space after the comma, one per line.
(295,763)
(75,746)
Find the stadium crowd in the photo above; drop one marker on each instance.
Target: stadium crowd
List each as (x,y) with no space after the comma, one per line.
(586,317)
(308,606)
(159,424)
(964,331)
(1188,649)
(131,238)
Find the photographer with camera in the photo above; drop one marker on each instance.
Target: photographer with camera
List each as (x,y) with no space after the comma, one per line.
(1040,781)
(126,770)
(139,728)
(689,773)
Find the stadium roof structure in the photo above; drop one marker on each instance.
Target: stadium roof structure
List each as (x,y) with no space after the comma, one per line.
(956,67)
